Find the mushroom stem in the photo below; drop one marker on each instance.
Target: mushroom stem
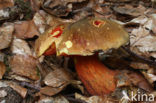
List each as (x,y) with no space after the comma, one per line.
(97,78)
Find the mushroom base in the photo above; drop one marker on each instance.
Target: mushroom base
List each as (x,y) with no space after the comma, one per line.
(97,78)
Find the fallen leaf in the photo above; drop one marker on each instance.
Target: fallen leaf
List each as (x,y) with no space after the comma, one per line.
(2,69)
(17,77)
(22,91)
(134,78)
(142,41)
(50,91)
(57,78)
(6,35)
(20,46)
(6,3)
(39,20)
(24,65)
(130,10)
(58,99)
(25,29)
(3,93)
(2,55)
(93,99)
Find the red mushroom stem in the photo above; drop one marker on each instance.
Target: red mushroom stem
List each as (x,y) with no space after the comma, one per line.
(97,78)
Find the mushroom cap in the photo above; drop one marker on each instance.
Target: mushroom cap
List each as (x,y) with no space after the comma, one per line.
(49,37)
(91,34)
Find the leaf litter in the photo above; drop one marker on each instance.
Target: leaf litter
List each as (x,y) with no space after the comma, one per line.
(52,79)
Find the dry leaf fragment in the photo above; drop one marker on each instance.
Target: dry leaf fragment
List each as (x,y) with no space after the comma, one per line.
(6,3)
(57,78)
(24,65)
(22,91)
(50,91)
(20,46)
(58,99)
(130,10)
(92,99)
(25,29)
(6,35)
(2,69)
(39,20)
(142,41)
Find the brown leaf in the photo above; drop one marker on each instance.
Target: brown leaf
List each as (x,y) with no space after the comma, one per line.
(6,35)
(95,99)
(20,46)
(6,3)
(134,78)
(57,78)
(2,69)
(22,91)
(57,99)
(50,91)
(24,65)
(130,10)
(25,29)
(142,39)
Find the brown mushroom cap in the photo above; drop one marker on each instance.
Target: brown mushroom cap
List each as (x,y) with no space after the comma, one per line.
(91,34)
(46,39)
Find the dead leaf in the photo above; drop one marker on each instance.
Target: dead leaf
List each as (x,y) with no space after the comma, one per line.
(2,55)
(57,78)
(93,99)
(39,20)
(142,41)
(6,35)
(25,29)
(50,91)
(3,93)
(62,7)
(20,46)
(6,3)
(17,77)
(58,99)
(130,10)
(24,65)
(134,78)
(22,91)
(2,69)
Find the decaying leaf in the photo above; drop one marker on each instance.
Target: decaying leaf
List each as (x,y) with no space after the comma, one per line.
(127,78)
(2,69)
(25,29)
(142,40)
(6,3)
(20,46)
(6,35)
(22,91)
(93,99)
(130,10)
(10,95)
(62,7)
(57,78)
(50,91)
(24,65)
(58,99)
(56,81)
(2,55)
(39,20)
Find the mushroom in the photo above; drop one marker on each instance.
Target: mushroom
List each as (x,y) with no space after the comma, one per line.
(82,40)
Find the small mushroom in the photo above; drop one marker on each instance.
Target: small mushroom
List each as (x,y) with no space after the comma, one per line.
(82,40)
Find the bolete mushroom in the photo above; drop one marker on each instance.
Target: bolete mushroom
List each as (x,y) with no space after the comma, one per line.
(82,40)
